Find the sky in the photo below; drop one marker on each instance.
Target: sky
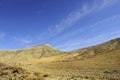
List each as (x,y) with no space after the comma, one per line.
(65,24)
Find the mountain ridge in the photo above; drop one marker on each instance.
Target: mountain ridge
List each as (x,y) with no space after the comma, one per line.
(92,51)
(99,62)
(46,51)
(34,52)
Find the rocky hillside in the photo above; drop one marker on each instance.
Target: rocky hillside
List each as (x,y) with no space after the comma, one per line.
(35,52)
(8,72)
(45,51)
(43,62)
(93,50)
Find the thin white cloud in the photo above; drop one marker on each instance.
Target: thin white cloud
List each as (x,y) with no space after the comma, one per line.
(24,40)
(109,19)
(75,16)
(91,27)
(2,35)
(72,18)
(106,3)
(78,42)
(72,45)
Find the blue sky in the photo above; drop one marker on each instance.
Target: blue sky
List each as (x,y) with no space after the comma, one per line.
(64,24)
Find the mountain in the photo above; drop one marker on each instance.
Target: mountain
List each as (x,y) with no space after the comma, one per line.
(99,62)
(99,49)
(47,53)
(91,51)
(101,67)
(35,52)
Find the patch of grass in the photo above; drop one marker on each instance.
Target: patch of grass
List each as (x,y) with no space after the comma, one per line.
(102,67)
(17,73)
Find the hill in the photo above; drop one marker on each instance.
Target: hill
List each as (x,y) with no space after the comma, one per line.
(99,62)
(80,64)
(42,52)
(35,52)
(101,67)
(93,50)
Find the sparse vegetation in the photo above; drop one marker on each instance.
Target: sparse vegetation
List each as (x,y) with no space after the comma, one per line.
(17,73)
(26,54)
(101,67)
(101,62)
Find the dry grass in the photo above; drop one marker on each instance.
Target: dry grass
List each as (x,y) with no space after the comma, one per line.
(35,52)
(101,62)
(101,67)
(17,73)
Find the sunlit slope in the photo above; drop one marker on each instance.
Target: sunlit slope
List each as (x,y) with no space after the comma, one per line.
(35,52)
(84,53)
(100,62)
(93,50)
(101,67)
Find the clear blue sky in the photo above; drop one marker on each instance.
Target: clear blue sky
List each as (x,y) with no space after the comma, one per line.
(64,24)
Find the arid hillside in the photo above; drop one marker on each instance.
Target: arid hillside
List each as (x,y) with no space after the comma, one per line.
(100,67)
(35,52)
(84,53)
(92,50)
(99,62)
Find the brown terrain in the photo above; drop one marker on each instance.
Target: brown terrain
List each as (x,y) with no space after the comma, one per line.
(43,62)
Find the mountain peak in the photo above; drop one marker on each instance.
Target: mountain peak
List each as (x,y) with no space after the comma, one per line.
(46,45)
(43,45)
